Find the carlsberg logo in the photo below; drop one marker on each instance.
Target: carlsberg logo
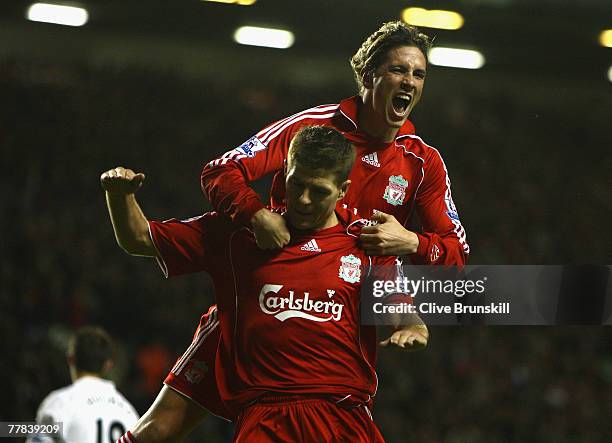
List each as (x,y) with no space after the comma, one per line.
(284,308)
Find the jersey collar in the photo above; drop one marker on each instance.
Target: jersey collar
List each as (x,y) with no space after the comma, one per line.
(347,111)
(91,379)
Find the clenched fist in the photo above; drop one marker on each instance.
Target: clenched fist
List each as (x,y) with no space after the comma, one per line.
(120,180)
(388,237)
(270,229)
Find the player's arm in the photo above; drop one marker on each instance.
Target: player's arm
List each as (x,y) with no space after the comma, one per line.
(409,332)
(388,237)
(51,411)
(443,240)
(129,222)
(43,438)
(225,182)
(180,246)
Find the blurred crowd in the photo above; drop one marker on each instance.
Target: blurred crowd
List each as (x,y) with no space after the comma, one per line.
(530,177)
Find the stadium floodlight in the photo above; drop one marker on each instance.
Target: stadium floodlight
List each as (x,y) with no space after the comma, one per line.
(605,38)
(456,58)
(267,37)
(57,14)
(234,2)
(433,18)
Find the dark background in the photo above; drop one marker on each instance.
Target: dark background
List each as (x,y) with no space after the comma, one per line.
(162,88)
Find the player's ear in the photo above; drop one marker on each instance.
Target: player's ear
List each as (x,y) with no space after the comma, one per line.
(344,189)
(107,366)
(368,79)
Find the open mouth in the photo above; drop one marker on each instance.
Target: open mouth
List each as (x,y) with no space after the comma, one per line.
(401,103)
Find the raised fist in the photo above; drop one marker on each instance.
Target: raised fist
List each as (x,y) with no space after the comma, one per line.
(121,181)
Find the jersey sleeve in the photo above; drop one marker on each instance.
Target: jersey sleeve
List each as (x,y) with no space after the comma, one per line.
(52,410)
(192,245)
(42,438)
(443,240)
(389,269)
(225,179)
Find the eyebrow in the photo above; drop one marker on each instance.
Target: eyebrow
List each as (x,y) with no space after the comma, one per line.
(405,66)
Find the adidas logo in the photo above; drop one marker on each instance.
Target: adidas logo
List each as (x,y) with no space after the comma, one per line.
(311,246)
(371,159)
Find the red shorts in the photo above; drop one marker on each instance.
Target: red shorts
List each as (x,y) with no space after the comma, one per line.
(305,419)
(193,374)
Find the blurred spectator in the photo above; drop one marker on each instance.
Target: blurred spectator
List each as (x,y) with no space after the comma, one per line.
(154,362)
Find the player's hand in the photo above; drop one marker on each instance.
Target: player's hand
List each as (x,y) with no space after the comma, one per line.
(388,237)
(121,181)
(410,338)
(270,229)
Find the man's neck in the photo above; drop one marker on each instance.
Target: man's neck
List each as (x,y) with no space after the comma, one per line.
(80,374)
(331,222)
(373,125)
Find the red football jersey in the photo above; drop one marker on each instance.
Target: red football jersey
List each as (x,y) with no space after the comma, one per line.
(397,178)
(290,318)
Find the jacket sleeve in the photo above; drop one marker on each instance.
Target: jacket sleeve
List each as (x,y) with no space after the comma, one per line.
(443,240)
(225,180)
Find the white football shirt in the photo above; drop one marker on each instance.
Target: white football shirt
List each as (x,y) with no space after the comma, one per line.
(91,410)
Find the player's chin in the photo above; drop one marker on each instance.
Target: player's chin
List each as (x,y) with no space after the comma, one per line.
(395,122)
(301,223)
(312,226)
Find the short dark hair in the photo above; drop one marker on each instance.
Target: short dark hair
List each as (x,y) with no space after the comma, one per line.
(323,149)
(374,49)
(90,347)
